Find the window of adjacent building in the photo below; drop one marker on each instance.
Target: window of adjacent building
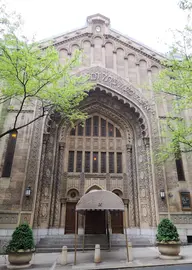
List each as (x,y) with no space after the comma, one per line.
(88,127)
(111,162)
(72,133)
(118,134)
(71,161)
(119,162)
(185,200)
(9,154)
(180,169)
(95,162)
(79,161)
(95,126)
(98,153)
(103,127)
(110,130)
(80,130)
(87,162)
(103,162)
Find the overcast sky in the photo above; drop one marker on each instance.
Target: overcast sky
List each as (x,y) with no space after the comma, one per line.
(147,21)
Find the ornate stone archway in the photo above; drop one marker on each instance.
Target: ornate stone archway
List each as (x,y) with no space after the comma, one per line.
(124,104)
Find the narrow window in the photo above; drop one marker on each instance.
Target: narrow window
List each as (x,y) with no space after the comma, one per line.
(72,133)
(103,127)
(119,162)
(87,161)
(111,162)
(88,127)
(9,154)
(180,170)
(103,162)
(71,161)
(95,162)
(118,133)
(95,125)
(79,162)
(80,130)
(110,130)
(185,200)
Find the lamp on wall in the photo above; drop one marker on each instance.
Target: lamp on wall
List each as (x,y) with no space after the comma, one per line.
(162,194)
(28,191)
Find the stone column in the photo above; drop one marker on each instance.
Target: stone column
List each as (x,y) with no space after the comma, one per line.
(39,189)
(63,213)
(103,55)
(82,184)
(149,73)
(128,186)
(138,74)
(151,187)
(126,68)
(92,53)
(135,188)
(115,61)
(58,185)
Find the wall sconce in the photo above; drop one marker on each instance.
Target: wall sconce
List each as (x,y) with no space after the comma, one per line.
(28,191)
(162,194)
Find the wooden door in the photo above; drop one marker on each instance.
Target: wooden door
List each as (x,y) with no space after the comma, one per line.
(117,221)
(95,222)
(70,218)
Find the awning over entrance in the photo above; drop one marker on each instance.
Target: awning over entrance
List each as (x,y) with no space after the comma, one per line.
(100,200)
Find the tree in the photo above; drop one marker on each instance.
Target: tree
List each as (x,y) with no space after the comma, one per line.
(175,83)
(31,74)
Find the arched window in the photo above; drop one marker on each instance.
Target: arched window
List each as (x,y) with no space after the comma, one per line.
(9,154)
(95,147)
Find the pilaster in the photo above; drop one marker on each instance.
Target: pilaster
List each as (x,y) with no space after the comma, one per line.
(150,183)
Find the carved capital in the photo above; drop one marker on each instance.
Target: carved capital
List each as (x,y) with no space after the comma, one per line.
(61,145)
(63,200)
(114,52)
(45,138)
(146,141)
(129,147)
(103,45)
(125,201)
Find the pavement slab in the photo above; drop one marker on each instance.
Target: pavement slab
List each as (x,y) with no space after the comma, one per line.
(114,259)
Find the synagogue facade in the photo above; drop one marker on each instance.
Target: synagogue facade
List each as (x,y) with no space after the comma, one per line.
(54,165)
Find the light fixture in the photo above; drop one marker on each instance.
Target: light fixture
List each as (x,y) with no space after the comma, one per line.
(94,158)
(14,133)
(162,194)
(28,191)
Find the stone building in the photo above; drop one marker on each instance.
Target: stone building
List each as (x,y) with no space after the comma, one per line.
(112,151)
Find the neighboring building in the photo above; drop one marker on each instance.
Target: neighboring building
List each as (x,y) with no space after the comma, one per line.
(113,151)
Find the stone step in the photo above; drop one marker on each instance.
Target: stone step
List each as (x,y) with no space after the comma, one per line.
(55,243)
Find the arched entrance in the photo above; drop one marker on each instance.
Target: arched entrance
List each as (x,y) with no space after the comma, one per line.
(117,216)
(72,197)
(95,221)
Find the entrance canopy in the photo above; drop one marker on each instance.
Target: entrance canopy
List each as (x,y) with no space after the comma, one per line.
(100,200)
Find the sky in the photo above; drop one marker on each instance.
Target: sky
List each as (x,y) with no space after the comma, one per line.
(147,21)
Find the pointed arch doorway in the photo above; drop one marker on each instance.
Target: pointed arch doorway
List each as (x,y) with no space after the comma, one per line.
(117,217)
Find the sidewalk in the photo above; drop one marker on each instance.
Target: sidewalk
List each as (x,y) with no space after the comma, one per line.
(147,256)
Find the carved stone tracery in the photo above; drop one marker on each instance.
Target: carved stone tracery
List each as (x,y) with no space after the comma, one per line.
(124,105)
